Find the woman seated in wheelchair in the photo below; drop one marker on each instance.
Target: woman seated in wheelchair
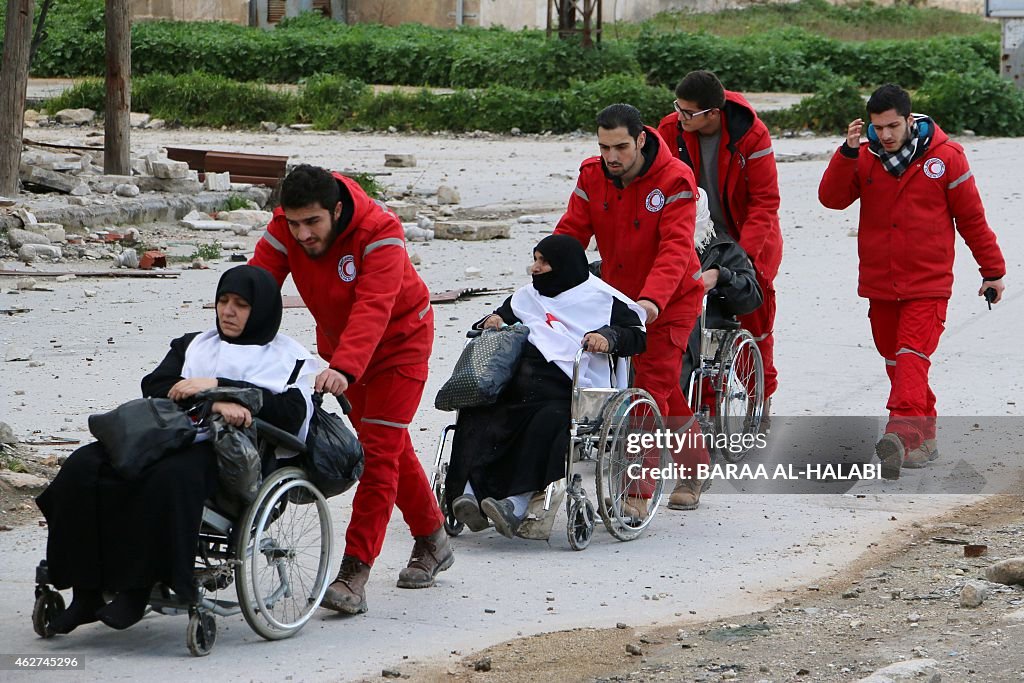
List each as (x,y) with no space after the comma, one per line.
(108,535)
(730,283)
(503,453)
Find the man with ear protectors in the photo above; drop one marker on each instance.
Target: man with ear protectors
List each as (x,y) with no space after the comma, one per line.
(916,192)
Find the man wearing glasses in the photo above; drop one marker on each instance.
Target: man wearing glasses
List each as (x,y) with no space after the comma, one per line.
(717,133)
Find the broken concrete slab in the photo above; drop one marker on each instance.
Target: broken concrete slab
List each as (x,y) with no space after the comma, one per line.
(206,225)
(76,117)
(23,480)
(7,434)
(218,182)
(168,185)
(54,232)
(7,201)
(31,252)
(917,670)
(471,230)
(400,160)
(169,170)
(248,217)
(127,190)
(406,211)
(138,119)
(16,238)
(52,180)
(143,209)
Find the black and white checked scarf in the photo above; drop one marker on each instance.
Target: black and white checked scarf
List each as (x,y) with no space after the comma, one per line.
(899,161)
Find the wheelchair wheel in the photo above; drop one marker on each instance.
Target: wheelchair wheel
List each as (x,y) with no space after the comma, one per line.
(285,556)
(581,523)
(49,604)
(629,411)
(201,634)
(451,525)
(739,401)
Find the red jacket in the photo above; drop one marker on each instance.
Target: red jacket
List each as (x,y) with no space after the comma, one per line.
(371,308)
(906,235)
(644,231)
(748,181)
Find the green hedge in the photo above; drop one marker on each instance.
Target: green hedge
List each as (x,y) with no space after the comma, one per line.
(781,59)
(794,59)
(404,55)
(335,103)
(980,101)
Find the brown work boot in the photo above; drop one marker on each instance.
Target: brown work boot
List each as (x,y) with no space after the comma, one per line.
(348,592)
(634,507)
(890,450)
(430,555)
(922,455)
(686,494)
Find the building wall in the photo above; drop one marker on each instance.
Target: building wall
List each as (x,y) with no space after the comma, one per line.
(235,11)
(513,14)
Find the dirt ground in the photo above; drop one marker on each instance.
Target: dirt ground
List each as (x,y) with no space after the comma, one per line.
(900,601)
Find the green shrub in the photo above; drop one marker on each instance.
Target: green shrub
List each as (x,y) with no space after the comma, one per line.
(207,252)
(194,99)
(794,59)
(331,102)
(980,101)
(837,102)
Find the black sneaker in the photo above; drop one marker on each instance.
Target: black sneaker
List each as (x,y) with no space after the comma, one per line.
(502,513)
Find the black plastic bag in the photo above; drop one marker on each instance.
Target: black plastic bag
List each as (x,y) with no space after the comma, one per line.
(138,433)
(333,460)
(486,366)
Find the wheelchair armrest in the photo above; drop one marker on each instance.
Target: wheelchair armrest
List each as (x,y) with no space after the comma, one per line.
(278,436)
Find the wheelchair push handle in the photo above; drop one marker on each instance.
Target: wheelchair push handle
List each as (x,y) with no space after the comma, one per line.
(346,407)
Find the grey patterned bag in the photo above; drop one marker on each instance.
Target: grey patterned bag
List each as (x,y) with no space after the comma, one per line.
(485,367)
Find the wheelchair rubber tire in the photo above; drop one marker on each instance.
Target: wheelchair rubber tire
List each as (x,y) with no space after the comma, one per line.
(201,633)
(267,513)
(452,526)
(615,425)
(745,368)
(49,603)
(582,518)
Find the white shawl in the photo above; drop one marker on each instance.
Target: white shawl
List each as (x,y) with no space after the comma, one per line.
(269,366)
(557,326)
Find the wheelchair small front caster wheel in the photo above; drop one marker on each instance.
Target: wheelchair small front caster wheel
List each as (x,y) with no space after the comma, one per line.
(201,634)
(49,605)
(580,527)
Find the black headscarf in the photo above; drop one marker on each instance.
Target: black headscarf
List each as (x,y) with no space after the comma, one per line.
(259,288)
(568,265)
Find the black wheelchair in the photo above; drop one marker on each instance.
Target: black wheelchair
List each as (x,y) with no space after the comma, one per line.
(277,553)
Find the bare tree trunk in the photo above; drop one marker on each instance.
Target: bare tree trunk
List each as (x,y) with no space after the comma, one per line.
(116,157)
(40,34)
(13,82)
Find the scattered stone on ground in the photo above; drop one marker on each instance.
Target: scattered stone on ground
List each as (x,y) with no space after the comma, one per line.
(907,625)
(400,160)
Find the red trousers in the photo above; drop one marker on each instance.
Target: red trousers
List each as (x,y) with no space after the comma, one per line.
(906,334)
(657,371)
(383,406)
(761,324)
